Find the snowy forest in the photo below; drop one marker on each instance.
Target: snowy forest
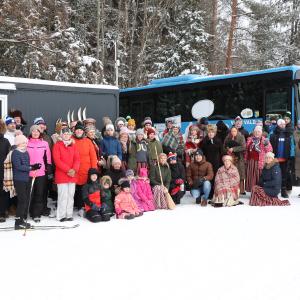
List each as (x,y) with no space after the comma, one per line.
(83,40)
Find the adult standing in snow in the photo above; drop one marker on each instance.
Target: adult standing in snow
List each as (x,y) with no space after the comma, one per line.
(67,160)
(21,168)
(238,123)
(39,153)
(10,133)
(269,185)
(256,148)
(281,143)
(88,159)
(199,174)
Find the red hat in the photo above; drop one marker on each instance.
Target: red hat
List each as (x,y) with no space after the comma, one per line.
(171,155)
(149,131)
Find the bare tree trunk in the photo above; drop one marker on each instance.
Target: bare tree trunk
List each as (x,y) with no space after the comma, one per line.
(228,67)
(214,21)
(102,38)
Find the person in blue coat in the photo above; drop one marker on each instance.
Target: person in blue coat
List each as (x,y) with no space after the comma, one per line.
(110,145)
(269,185)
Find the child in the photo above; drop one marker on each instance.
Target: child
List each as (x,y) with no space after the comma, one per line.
(95,210)
(125,206)
(106,197)
(143,193)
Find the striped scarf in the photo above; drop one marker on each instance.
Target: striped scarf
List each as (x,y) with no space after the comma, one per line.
(8,182)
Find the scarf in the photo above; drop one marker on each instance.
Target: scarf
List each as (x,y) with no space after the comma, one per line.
(255,144)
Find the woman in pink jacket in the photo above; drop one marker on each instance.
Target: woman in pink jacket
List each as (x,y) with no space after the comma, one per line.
(39,153)
(125,205)
(143,192)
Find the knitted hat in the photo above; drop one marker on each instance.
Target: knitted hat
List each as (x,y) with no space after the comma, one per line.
(270,154)
(149,131)
(124,130)
(105,180)
(125,184)
(9,120)
(129,172)
(199,152)
(143,172)
(79,125)
(227,157)
(115,159)
(106,120)
(20,139)
(89,121)
(139,131)
(93,171)
(147,120)
(66,130)
(131,122)
(34,127)
(120,120)
(38,121)
(172,156)
(280,121)
(110,126)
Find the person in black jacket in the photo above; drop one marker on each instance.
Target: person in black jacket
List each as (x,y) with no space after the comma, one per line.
(176,188)
(222,131)
(91,194)
(269,185)
(281,143)
(4,149)
(238,123)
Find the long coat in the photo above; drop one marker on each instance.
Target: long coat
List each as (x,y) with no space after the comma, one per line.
(4,149)
(238,152)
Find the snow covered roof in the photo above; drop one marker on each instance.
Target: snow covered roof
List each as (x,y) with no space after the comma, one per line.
(56,83)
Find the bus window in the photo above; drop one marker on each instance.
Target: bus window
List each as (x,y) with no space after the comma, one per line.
(277,101)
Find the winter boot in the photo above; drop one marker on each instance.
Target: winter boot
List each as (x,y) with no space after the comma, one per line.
(69,219)
(37,219)
(218,205)
(105,217)
(2,219)
(242,187)
(129,217)
(198,200)
(63,220)
(284,193)
(21,224)
(203,202)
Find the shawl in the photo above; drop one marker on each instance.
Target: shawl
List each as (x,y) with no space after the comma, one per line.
(227,186)
(8,182)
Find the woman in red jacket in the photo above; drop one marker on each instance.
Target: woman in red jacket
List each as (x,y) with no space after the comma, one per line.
(88,159)
(67,160)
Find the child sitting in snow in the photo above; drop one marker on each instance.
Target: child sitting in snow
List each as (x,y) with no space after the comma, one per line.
(95,210)
(125,205)
(106,197)
(143,192)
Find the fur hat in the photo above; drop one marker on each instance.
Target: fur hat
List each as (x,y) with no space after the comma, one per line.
(79,125)
(20,139)
(17,113)
(118,120)
(105,180)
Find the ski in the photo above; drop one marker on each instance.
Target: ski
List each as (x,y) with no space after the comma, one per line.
(40,227)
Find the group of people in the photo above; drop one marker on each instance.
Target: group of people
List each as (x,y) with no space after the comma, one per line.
(124,171)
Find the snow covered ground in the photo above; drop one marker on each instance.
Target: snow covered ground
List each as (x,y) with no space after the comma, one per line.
(192,252)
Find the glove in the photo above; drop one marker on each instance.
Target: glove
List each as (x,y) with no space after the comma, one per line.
(266,142)
(179,181)
(35,166)
(96,207)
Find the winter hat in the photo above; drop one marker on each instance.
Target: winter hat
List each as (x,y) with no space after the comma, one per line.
(149,131)
(194,127)
(79,125)
(270,154)
(106,180)
(147,120)
(172,156)
(93,171)
(20,139)
(90,128)
(129,172)
(131,122)
(280,122)
(66,130)
(288,115)
(125,184)
(34,127)
(227,157)
(199,152)
(110,126)
(17,113)
(120,120)
(89,121)
(139,131)
(124,130)
(106,120)
(38,121)
(9,120)
(203,121)
(143,172)
(115,159)
(238,118)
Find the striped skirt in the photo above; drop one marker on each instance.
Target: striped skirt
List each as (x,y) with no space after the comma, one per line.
(260,198)
(252,174)
(159,197)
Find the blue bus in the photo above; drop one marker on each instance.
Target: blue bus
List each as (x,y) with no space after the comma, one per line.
(265,92)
